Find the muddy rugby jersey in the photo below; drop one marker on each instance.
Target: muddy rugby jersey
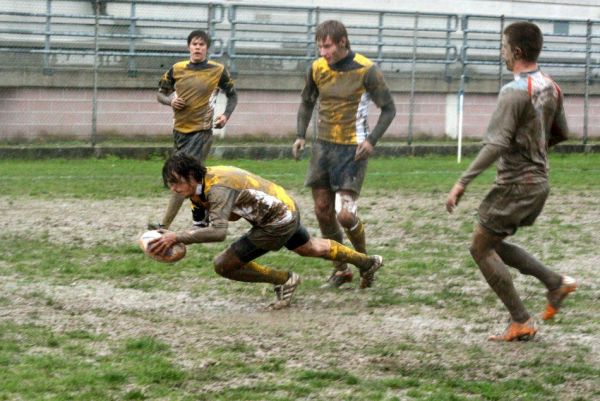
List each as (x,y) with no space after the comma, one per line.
(230,193)
(528,119)
(198,84)
(345,90)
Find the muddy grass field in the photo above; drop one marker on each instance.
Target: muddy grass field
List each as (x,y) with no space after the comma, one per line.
(84,315)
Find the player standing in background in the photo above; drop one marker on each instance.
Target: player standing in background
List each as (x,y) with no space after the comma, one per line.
(344,82)
(191,87)
(230,193)
(529,118)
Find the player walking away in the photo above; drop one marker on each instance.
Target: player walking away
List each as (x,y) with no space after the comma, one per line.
(191,87)
(529,118)
(344,82)
(228,194)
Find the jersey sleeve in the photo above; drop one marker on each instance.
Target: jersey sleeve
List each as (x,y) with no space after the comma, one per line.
(226,84)
(309,96)
(380,95)
(221,201)
(559,131)
(505,119)
(167,82)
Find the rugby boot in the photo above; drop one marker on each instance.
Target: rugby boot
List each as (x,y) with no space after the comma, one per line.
(339,278)
(557,296)
(367,275)
(517,332)
(284,292)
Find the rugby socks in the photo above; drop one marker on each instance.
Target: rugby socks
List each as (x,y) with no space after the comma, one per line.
(175,203)
(335,234)
(520,259)
(252,272)
(498,277)
(356,235)
(342,253)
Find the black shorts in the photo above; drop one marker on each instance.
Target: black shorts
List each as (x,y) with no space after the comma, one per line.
(196,144)
(246,250)
(332,166)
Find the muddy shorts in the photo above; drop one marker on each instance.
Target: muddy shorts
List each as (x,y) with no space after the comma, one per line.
(508,207)
(196,144)
(258,241)
(332,166)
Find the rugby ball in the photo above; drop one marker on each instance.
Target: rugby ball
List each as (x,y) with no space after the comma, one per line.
(173,254)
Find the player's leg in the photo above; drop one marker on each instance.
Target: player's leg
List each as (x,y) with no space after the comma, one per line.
(237,263)
(520,259)
(495,272)
(526,205)
(304,245)
(346,212)
(347,176)
(324,206)
(559,287)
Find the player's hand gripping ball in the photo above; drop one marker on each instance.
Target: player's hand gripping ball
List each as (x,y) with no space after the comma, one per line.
(172,254)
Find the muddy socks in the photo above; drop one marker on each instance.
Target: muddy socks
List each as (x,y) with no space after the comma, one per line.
(520,259)
(498,277)
(343,254)
(356,235)
(252,272)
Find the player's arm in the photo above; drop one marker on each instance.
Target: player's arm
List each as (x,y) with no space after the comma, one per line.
(221,201)
(381,96)
(499,135)
(166,92)
(559,132)
(309,97)
(226,84)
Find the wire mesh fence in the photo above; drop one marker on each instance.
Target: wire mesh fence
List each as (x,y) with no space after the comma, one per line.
(88,69)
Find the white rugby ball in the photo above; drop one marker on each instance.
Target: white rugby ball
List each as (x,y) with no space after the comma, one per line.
(173,254)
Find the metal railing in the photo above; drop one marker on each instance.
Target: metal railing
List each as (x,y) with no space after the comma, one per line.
(577,47)
(133,29)
(115,35)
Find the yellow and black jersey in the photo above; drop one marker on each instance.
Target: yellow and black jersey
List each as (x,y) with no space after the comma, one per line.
(198,84)
(230,193)
(345,90)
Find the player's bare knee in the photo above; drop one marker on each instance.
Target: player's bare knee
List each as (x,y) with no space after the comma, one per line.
(346,209)
(312,248)
(222,265)
(346,219)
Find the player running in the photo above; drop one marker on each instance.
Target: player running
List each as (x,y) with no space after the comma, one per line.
(190,88)
(529,118)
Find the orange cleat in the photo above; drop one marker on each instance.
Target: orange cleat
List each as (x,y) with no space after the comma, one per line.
(557,296)
(517,331)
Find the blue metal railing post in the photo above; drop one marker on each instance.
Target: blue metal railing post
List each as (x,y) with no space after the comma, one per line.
(232,39)
(47,35)
(131,65)
(586,96)
(413,80)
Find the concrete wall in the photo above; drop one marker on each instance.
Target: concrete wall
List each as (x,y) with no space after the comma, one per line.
(34,105)
(38,112)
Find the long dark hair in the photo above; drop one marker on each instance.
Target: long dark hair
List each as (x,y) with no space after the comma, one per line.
(182,166)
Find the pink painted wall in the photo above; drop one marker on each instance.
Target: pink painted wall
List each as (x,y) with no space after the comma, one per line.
(38,112)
